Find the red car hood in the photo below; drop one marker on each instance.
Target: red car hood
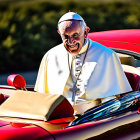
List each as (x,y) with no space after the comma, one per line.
(127,39)
(11,130)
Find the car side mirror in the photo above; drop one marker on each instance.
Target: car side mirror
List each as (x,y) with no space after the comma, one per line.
(16,81)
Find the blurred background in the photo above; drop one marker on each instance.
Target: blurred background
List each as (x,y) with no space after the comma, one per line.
(28,28)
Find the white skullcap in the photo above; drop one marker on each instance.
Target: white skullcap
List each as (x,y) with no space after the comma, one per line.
(70,16)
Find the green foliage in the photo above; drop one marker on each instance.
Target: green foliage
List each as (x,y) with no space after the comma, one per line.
(29,29)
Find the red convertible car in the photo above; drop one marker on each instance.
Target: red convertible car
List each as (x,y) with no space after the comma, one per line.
(24,114)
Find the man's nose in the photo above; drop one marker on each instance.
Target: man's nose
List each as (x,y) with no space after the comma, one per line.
(71,40)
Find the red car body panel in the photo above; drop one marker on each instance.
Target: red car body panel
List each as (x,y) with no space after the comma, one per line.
(128,39)
(98,129)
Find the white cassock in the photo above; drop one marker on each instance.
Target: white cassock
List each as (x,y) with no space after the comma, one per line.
(101,74)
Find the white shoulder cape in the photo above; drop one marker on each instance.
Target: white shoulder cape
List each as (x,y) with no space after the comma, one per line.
(102,72)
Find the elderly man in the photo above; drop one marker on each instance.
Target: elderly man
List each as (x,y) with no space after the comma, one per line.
(84,71)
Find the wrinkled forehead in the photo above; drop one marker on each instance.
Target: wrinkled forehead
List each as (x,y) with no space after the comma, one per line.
(69,25)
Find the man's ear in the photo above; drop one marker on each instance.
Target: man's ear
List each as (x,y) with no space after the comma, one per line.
(86,31)
(58,31)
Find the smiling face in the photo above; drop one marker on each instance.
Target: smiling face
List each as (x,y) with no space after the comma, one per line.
(73,34)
